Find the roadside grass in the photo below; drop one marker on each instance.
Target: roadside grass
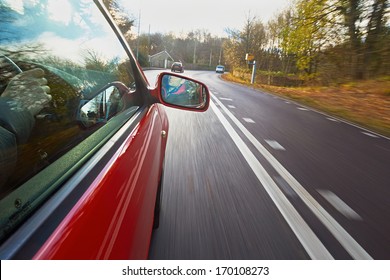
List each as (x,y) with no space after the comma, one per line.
(365,103)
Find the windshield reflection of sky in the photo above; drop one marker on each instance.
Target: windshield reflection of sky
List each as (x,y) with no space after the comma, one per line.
(63,26)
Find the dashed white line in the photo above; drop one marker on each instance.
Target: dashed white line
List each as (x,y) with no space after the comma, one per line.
(232,107)
(248,120)
(340,205)
(333,120)
(302,109)
(275,145)
(304,233)
(346,240)
(227,99)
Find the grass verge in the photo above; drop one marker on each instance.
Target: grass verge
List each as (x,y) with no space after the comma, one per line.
(365,103)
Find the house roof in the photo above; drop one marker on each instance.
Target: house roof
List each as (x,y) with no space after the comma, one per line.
(163,53)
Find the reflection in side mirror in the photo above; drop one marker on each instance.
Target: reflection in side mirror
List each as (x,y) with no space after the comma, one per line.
(103,106)
(183,92)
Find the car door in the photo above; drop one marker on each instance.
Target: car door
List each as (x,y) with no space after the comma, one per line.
(113,218)
(84,181)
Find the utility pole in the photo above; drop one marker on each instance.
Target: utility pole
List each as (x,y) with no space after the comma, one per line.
(149,47)
(149,41)
(194,59)
(211,56)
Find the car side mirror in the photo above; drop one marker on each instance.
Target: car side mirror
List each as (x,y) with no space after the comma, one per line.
(104,104)
(182,92)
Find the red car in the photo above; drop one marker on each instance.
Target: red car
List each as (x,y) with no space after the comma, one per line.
(82,132)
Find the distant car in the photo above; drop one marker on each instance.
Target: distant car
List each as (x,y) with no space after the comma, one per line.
(220,69)
(80,176)
(177,67)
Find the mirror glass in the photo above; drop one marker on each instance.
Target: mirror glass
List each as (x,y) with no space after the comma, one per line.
(100,108)
(183,92)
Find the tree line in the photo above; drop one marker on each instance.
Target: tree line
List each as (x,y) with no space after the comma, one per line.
(312,41)
(322,41)
(197,49)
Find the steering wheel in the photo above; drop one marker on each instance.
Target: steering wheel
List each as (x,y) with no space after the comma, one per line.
(55,125)
(64,96)
(8,70)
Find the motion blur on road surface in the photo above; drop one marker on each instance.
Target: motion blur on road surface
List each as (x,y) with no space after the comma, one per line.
(292,159)
(289,160)
(261,177)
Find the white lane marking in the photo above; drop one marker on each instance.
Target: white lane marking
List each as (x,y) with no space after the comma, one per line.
(370,134)
(214,92)
(232,107)
(333,120)
(227,99)
(275,145)
(248,120)
(287,102)
(340,205)
(302,109)
(303,232)
(346,240)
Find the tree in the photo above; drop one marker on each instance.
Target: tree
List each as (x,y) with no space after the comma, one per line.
(251,39)
(121,18)
(328,36)
(307,34)
(366,32)
(375,44)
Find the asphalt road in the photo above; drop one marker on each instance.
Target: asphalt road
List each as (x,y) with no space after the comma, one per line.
(260,177)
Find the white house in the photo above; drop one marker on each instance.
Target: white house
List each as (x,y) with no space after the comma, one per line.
(161,60)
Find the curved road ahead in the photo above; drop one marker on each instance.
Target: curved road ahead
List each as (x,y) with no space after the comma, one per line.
(260,177)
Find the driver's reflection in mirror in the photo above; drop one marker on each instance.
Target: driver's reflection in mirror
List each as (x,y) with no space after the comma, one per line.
(23,98)
(173,86)
(180,91)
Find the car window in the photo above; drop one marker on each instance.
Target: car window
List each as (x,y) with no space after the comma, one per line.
(66,86)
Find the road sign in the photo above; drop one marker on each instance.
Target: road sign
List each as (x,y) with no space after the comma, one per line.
(249,57)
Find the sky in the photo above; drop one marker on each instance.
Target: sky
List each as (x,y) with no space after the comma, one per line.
(183,16)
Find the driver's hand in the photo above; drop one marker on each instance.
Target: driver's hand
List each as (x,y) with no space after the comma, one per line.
(30,91)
